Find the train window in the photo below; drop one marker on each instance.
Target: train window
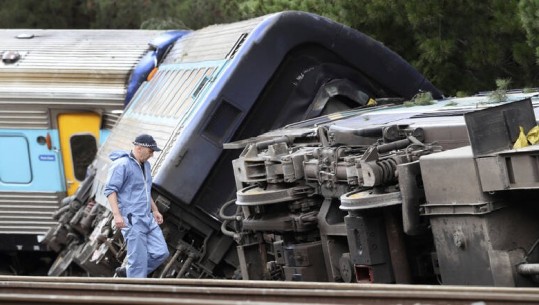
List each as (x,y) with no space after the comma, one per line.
(177,85)
(150,93)
(200,86)
(15,160)
(83,151)
(161,95)
(162,99)
(178,95)
(187,97)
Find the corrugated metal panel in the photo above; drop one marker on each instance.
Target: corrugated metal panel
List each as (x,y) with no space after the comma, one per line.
(27,213)
(110,119)
(211,43)
(160,109)
(81,68)
(36,118)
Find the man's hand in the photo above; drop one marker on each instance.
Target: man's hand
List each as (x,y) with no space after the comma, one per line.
(119,221)
(158,217)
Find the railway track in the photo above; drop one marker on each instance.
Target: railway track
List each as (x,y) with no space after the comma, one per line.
(62,290)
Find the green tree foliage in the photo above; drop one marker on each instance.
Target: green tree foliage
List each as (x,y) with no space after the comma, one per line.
(253,8)
(116,14)
(48,14)
(466,45)
(200,13)
(161,14)
(528,11)
(461,46)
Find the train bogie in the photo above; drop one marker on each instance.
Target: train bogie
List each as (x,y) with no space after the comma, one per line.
(387,203)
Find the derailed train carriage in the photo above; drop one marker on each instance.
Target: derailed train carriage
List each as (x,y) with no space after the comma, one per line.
(61,91)
(220,84)
(422,194)
(426,191)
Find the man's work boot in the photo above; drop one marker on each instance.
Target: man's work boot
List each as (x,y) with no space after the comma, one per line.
(120,272)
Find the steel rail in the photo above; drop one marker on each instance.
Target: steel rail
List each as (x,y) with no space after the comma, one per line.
(48,290)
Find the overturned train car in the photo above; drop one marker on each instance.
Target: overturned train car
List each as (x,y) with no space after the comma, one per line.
(220,84)
(423,194)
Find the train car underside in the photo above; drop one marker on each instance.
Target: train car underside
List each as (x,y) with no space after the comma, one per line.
(324,204)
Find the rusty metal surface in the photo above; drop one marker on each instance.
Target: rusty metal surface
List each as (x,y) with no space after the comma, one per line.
(49,290)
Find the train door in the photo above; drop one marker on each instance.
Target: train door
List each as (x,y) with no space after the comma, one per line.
(79,135)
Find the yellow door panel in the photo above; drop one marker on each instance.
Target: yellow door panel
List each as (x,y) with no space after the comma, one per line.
(79,135)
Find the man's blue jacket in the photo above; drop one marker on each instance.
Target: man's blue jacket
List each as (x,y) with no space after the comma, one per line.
(125,177)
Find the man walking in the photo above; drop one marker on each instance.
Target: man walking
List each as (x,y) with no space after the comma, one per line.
(128,190)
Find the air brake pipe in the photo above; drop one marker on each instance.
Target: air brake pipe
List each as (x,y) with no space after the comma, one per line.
(186,265)
(392,146)
(171,261)
(528,269)
(399,144)
(227,232)
(224,207)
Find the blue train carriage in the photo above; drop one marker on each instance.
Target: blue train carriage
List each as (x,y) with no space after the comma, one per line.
(61,91)
(219,84)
